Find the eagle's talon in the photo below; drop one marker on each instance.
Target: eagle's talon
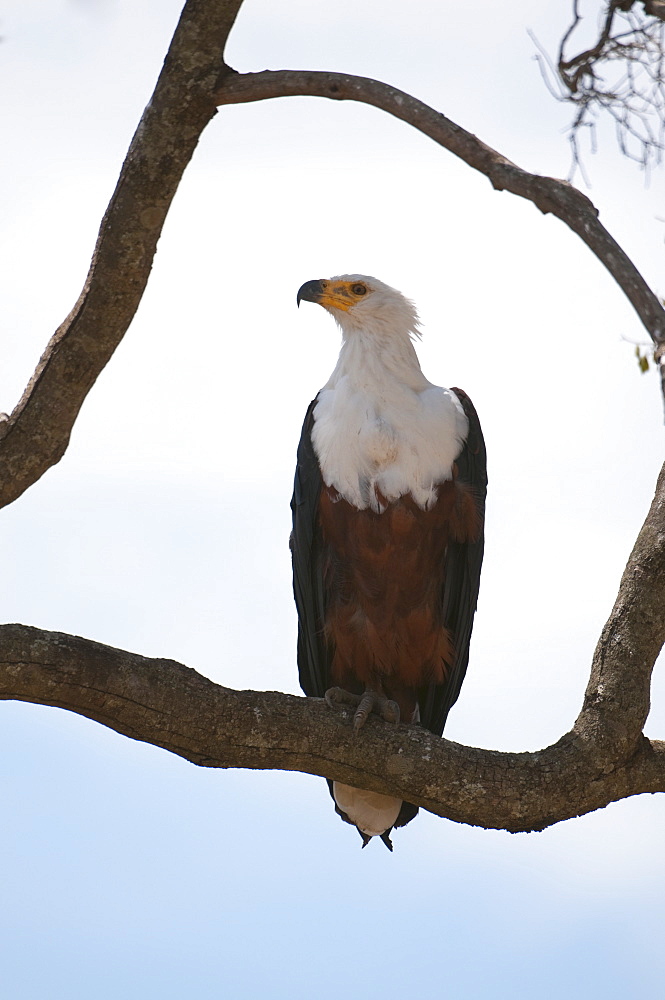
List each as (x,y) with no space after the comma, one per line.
(364,704)
(336,696)
(372,701)
(390,711)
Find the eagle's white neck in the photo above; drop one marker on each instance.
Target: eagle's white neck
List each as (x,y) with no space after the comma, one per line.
(382,430)
(378,359)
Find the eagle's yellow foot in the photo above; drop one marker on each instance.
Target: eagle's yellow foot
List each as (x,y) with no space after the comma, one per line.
(366,703)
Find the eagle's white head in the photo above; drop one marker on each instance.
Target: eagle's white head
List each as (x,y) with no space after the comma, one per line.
(360,302)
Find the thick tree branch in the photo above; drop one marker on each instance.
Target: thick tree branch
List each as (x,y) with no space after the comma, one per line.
(603,759)
(547,193)
(171,706)
(617,699)
(37,433)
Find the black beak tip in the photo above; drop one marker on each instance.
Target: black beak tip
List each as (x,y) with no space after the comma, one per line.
(309,292)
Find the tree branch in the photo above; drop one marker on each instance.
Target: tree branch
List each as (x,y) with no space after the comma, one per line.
(548,194)
(36,435)
(617,699)
(603,759)
(621,75)
(171,706)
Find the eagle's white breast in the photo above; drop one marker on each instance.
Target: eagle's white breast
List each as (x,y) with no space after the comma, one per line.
(392,442)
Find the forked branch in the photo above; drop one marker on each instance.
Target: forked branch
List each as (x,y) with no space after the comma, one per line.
(620,76)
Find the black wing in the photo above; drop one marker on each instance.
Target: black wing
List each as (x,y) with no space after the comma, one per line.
(313,653)
(462,578)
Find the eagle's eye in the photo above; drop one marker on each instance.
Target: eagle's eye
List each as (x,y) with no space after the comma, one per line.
(358,289)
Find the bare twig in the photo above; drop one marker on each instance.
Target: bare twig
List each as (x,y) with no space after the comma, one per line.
(620,76)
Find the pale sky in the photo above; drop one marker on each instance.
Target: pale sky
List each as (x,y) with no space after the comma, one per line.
(130,873)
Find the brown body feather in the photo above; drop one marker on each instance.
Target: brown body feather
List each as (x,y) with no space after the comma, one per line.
(384,577)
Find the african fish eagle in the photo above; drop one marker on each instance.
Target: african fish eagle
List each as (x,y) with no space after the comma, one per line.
(387,543)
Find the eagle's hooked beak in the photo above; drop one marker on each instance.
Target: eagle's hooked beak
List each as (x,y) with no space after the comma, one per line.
(311,291)
(333,293)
